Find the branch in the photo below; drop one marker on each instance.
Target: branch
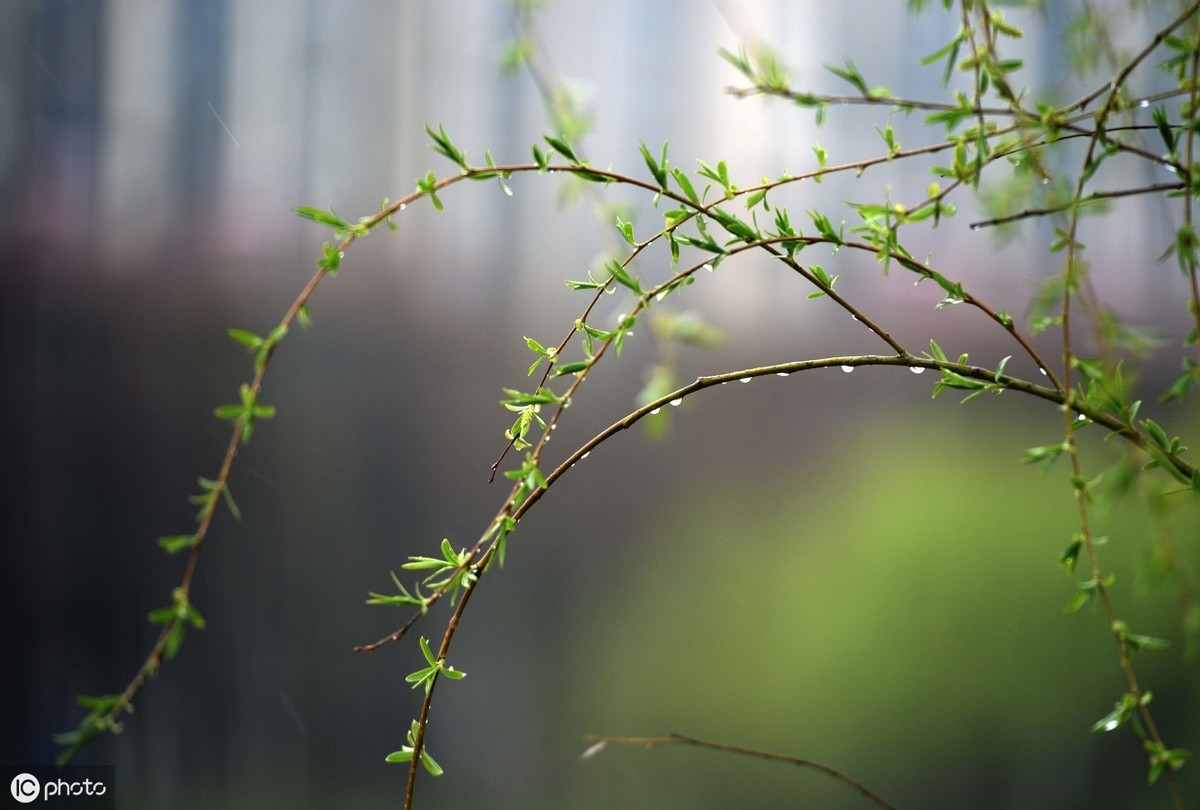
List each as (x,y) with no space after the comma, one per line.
(601,741)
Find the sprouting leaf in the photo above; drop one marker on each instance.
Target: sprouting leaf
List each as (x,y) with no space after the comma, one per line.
(685,185)
(405,754)
(403,598)
(850,74)
(444,146)
(658,168)
(248,339)
(329,217)
(562,147)
(622,276)
(179,542)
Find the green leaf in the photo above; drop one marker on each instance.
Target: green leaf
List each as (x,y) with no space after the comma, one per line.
(1070,556)
(331,259)
(329,217)
(179,542)
(622,276)
(403,598)
(562,147)
(658,169)
(248,339)
(444,146)
(685,185)
(850,74)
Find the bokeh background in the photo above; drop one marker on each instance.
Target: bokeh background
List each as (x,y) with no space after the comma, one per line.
(832,566)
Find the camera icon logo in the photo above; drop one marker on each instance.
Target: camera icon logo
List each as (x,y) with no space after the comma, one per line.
(25,788)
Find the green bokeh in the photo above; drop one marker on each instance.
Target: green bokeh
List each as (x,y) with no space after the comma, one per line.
(895,612)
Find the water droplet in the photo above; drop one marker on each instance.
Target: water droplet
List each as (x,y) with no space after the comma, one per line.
(656,410)
(853,316)
(1044,374)
(917,369)
(847,369)
(745,379)
(782,373)
(675,402)
(341,254)
(708,267)
(1045,180)
(403,206)
(1111,724)
(1144,103)
(977,226)
(554,426)
(585,455)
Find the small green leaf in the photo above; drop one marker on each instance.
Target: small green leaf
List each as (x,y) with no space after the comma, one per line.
(248,339)
(329,217)
(179,542)
(562,147)
(685,185)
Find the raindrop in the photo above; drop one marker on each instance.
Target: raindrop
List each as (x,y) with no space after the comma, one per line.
(403,206)
(675,402)
(341,254)
(708,267)
(847,369)
(1044,374)
(1144,103)
(585,455)
(554,426)
(917,369)
(977,226)
(744,379)
(656,410)
(782,373)
(1045,180)
(852,315)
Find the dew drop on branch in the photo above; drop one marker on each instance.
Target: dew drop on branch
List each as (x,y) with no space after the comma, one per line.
(917,369)
(847,369)
(675,402)
(782,373)
(656,410)
(745,379)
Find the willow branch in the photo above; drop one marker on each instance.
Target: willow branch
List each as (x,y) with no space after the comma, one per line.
(600,741)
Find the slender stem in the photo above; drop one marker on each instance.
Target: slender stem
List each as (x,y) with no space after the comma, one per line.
(1095,196)
(680,739)
(1072,271)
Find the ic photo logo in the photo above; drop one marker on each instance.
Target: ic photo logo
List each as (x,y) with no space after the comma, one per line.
(25,787)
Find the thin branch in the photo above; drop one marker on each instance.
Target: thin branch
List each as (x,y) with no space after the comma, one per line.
(1095,196)
(599,741)
(1123,74)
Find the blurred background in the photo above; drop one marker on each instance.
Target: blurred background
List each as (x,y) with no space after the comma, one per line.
(831,566)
